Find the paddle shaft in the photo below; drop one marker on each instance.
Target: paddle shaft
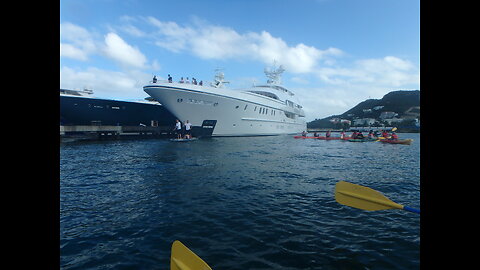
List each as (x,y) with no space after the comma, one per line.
(410,209)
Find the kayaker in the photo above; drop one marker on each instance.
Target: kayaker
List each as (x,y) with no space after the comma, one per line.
(370,134)
(359,135)
(342,134)
(315,134)
(304,133)
(354,134)
(328,134)
(384,134)
(394,137)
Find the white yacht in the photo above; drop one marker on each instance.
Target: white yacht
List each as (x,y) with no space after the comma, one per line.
(268,109)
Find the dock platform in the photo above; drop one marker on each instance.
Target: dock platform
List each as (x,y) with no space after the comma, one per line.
(94,132)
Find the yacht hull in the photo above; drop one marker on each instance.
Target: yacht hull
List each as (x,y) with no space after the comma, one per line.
(236,113)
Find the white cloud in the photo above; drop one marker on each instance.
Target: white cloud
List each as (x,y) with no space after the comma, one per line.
(175,37)
(106,83)
(70,51)
(123,53)
(388,72)
(77,43)
(217,42)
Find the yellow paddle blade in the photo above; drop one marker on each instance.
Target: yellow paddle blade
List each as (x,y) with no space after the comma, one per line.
(183,258)
(362,197)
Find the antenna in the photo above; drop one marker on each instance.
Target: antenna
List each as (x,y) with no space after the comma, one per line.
(274,74)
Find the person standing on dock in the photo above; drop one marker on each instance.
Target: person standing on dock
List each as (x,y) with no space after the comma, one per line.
(178,129)
(188,130)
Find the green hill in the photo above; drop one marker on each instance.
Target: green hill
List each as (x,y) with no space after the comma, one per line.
(404,103)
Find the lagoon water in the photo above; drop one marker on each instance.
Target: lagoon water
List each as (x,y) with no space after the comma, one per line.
(238,203)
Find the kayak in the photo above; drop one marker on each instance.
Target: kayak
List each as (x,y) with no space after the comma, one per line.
(320,138)
(305,137)
(183,140)
(328,138)
(362,140)
(405,141)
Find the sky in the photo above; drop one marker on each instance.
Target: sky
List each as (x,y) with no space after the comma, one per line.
(336,53)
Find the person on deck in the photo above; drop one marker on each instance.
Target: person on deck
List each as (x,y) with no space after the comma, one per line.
(169,78)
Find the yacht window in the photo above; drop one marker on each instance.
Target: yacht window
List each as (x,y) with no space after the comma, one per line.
(290,115)
(264,93)
(255,109)
(245,107)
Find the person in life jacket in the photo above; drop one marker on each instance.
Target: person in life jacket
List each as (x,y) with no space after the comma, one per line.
(370,134)
(394,136)
(384,134)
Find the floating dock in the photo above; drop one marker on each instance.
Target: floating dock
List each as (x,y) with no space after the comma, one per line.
(95,132)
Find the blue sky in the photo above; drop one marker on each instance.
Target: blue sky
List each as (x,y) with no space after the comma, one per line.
(336,53)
